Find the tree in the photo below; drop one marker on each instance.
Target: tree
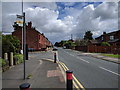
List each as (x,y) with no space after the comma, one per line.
(70,44)
(82,42)
(57,44)
(88,35)
(14,41)
(10,44)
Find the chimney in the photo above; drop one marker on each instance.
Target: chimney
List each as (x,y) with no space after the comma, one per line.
(104,33)
(29,24)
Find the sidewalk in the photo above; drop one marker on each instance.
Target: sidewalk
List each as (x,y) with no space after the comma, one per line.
(45,74)
(97,55)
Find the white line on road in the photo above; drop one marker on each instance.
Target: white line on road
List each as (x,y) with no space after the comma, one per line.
(83,60)
(77,57)
(109,71)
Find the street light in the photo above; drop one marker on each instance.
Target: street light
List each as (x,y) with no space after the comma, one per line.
(24,39)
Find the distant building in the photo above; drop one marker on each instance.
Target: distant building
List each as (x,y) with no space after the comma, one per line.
(34,39)
(113,38)
(95,46)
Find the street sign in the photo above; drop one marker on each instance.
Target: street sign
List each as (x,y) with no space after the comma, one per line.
(19,22)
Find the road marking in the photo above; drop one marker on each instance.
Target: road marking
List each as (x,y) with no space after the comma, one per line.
(75,81)
(78,58)
(75,85)
(78,83)
(109,71)
(83,60)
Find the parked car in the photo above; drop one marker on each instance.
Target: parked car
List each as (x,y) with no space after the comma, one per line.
(55,49)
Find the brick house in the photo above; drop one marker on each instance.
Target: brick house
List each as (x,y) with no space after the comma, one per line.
(113,38)
(34,39)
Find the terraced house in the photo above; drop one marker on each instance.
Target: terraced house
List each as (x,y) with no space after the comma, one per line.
(34,39)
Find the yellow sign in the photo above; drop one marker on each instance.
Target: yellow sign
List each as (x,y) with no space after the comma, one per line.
(19,22)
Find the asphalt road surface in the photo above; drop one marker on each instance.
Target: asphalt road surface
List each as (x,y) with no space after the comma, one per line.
(90,71)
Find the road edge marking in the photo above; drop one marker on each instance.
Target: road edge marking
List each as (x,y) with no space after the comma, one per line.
(75,81)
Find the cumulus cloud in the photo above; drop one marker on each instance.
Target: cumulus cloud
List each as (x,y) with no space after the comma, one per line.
(99,19)
(75,18)
(46,20)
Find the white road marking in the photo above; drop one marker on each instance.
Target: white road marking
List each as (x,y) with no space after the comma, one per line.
(109,71)
(77,57)
(40,62)
(83,60)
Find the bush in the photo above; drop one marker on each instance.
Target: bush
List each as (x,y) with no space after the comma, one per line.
(105,44)
(2,62)
(10,44)
(18,58)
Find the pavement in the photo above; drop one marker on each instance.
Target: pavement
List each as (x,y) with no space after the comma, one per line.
(98,55)
(44,74)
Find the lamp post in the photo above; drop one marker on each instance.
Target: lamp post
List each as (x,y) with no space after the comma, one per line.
(24,42)
(24,39)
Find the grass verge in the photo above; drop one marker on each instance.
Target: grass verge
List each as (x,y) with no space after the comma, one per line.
(111,55)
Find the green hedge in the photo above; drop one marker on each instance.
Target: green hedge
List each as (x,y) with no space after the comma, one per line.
(2,62)
(105,44)
(18,58)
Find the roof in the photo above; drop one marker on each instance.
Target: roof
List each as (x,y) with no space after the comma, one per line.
(94,42)
(109,33)
(113,41)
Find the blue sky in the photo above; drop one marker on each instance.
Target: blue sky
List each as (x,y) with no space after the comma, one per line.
(78,5)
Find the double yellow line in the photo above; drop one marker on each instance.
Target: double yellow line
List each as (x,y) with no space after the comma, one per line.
(76,83)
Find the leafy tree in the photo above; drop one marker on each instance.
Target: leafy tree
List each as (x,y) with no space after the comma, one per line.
(69,44)
(63,43)
(88,35)
(10,44)
(82,42)
(14,41)
(0,44)
(57,44)
(7,46)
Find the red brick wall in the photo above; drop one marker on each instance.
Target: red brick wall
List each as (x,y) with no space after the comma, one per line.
(104,49)
(81,48)
(99,49)
(34,39)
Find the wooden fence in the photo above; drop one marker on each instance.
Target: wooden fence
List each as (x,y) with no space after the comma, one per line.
(99,49)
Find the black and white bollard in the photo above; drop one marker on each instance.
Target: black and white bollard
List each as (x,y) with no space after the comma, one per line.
(55,58)
(69,78)
(24,86)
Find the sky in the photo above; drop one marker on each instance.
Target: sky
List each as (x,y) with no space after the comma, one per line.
(58,20)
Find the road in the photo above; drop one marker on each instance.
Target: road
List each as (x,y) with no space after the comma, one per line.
(90,71)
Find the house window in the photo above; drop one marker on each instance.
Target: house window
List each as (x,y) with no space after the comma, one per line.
(111,37)
(102,38)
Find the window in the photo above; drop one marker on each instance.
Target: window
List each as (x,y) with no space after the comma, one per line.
(111,37)
(102,38)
